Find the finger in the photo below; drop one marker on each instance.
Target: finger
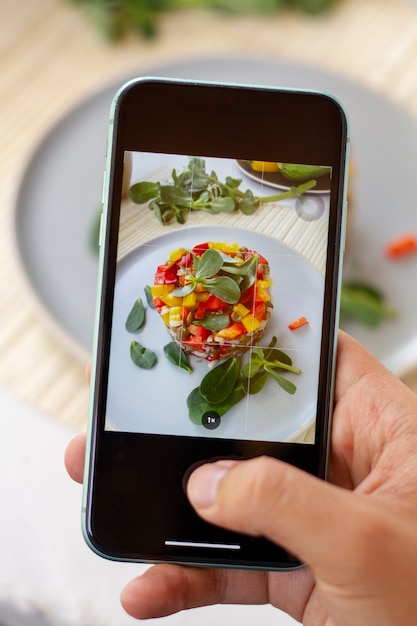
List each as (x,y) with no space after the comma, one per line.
(266,497)
(373,421)
(354,362)
(166,589)
(88,372)
(74,458)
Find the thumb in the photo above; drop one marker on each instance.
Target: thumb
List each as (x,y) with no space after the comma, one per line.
(267,497)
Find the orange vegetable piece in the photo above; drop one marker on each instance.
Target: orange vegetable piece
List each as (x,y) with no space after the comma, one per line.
(401,246)
(232,332)
(259,311)
(298,323)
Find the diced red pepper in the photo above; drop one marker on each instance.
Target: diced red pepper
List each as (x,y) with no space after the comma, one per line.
(224,350)
(193,342)
(200,311)
(200,248)
(166,275)
(214,303)
(199,331)
(259,311)
(298,323)
(248,297)
(250,253)
(401,246)
(253,295)
(158,304)
(186,260)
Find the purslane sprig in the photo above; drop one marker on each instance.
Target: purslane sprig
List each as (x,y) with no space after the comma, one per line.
(228,383)
(196,190)
(364,303)
(205,272)
(116,18)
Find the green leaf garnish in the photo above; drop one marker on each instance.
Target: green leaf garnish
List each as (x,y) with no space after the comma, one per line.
(214,321)
(177,356)
(141,356)
(171,194)
(116,19)
(198,405)
(136,316)
(224,288)
(148,295)
(194,189)
(286,384)
(209,264)
(255,383)
(224,386)
(206,268)
(269,362)
(223,205)
(364,303)
(143,192)
(219,382)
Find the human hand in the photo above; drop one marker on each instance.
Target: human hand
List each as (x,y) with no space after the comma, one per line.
(357,536)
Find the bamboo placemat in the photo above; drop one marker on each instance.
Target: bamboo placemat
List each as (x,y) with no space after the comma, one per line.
(139,225)
(51,58)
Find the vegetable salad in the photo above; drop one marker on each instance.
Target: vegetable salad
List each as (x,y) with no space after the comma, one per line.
(214,299)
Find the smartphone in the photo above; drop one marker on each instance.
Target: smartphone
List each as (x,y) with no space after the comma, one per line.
(220,266)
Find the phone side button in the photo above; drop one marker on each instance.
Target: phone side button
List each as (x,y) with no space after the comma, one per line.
(100,235)
(103,191)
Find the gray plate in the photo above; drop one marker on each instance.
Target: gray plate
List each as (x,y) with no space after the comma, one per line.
(61,190)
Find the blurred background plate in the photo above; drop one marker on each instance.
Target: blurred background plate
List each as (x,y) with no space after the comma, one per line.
(60,194)
(278,181)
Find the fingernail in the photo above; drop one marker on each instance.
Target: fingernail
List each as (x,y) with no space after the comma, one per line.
(203,484)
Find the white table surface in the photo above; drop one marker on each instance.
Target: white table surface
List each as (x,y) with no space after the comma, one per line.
(46,570)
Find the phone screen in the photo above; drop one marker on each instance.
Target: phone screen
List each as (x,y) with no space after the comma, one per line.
(218,313)
(218,301)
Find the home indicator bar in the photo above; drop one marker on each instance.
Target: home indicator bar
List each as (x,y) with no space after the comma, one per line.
(200,544)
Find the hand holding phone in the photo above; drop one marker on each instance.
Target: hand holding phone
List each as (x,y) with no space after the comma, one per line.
(218,307)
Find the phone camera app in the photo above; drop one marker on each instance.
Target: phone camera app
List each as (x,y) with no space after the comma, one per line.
(211,420)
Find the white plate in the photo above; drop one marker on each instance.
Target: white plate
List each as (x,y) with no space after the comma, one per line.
(61,190)
(135,394)
(278,181)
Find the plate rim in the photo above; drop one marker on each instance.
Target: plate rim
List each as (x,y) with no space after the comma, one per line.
(402,362)
(267,183)
(125,264)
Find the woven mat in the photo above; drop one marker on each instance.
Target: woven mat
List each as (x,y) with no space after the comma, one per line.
(51,58)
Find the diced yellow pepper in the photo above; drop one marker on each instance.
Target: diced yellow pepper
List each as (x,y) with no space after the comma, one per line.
(240,309)
(250,323)
(202,296)
(175,316)
(177,254)
(226,247)
(171,300)
(165,318)
(161,290)
(199,288)
(190,300)
(265,284)
(264,166)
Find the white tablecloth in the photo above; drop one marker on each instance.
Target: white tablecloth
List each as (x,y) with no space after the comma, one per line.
(48,575)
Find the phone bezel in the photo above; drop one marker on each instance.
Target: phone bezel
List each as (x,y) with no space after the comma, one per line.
(231,107)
